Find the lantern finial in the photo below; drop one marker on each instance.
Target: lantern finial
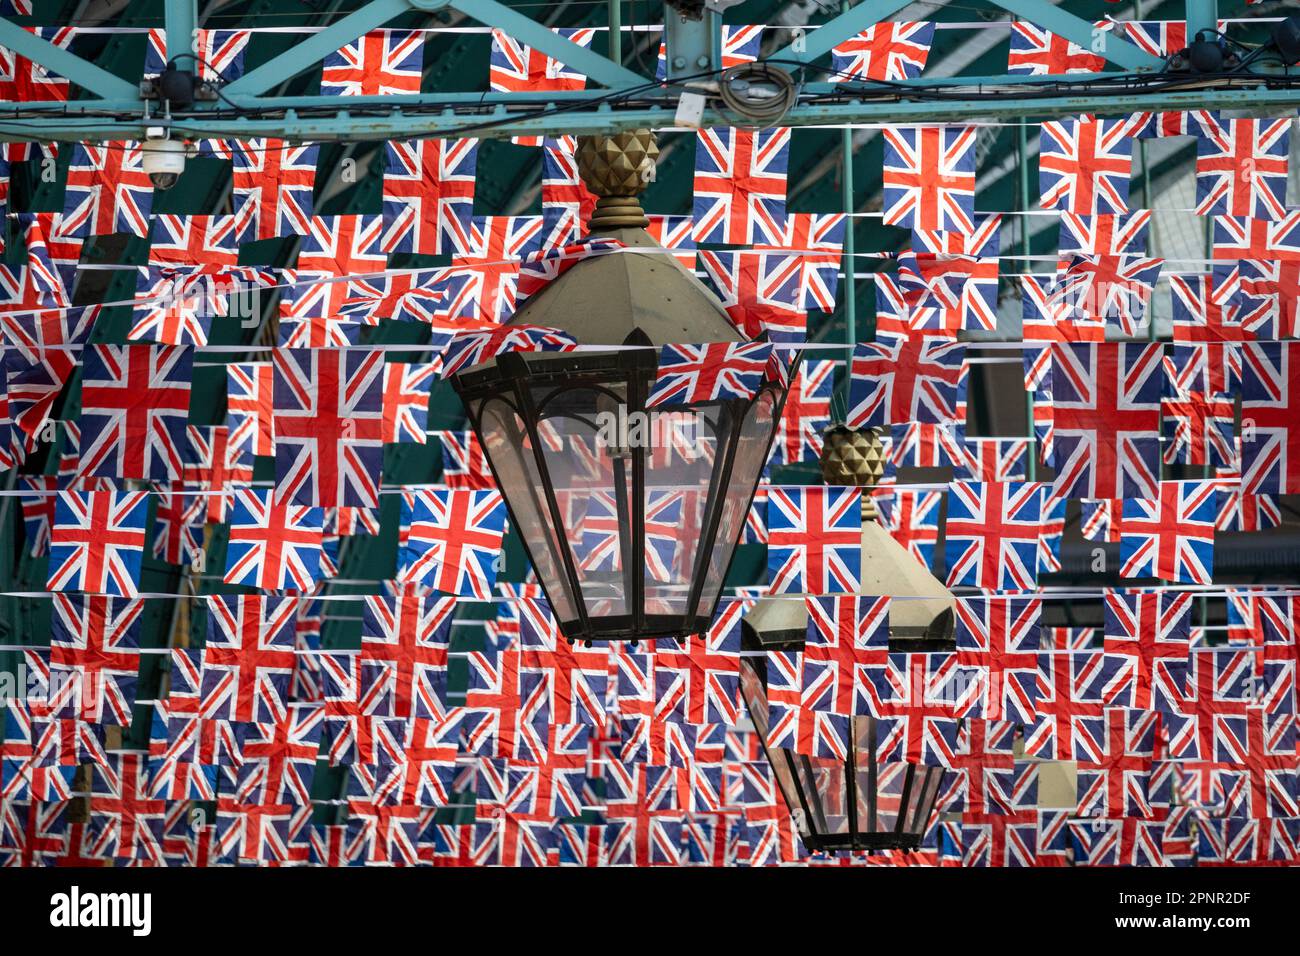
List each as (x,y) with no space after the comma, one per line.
(616,167)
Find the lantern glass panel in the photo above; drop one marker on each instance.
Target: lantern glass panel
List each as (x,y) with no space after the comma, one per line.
(591,482)
(509,448)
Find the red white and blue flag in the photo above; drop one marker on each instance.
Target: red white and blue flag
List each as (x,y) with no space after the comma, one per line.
(97,541)
(1171,536)
(1270,400)
(380,63)
(883,51)
(272,187)
(1084,165)
(991,535)
(929,178)
(814,539)
(740,185)
(107,190)
(428,195)
(711,372)
(273,547)
(451,540)
(919,379)
(1241,166)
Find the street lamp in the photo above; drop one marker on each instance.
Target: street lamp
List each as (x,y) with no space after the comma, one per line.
(630,515)
(860,802)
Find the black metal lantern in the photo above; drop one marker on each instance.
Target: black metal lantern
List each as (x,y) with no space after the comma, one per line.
(630,515)
(859,803)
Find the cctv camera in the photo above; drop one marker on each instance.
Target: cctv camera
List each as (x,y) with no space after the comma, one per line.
(164,161)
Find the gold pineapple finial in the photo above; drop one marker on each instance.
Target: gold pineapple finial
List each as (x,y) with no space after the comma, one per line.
(616,167)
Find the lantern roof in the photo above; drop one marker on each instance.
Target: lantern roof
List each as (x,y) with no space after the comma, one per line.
(629,296)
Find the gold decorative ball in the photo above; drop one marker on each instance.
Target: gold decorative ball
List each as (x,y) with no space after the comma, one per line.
(852,456)
(618,164)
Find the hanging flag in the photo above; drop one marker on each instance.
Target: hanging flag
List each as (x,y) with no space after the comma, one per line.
(1039,52)
(915,380)
(328,425)
(250,406)
(97,541)
(1084,165)
(567,203)
(1241,166)
(468,349)
(379,63)
(247,657)
(1000,636)
(1116,234)
(463,463)
(1113,289)
(451,540)
(761,291)
(215,463)
(991,535)
(482,284)
(912,519)
(1198,429)
(406,400)
(1171,537)
(404,643)
(806,414)
(134,402)
(1270,400)
(94,658)
(273,547)
(929,178)
(1105,419)
(107,191)
(740,185)
(193,241)
(1147,642)
(712,372)
(814,539)
(271,188)
(428,195)
(218,54)
(883,51)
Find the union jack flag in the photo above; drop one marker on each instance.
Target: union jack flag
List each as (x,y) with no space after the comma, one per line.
(760,290)
(1241,237)
(1000,637)
(912,519)
(919,379)
(134,402)
(273,547)
(1241,167)
(643,823)
(883,51)
(343,246)
(1266,297)
(329,426)
(193,241)
(219,54)
(404,642)
(1104,430)
(991,459)
(806,414)
(991,536)
(97,541)
(929,178)
(571,680)
(566,202)
(925,445)
(248,658)
(846,636)
(1110,289)
(1199,430)
(250,406)
(279,757)
(257,832)
(94,658)
(1124,842)
(1270,400)
(468,349)
(814,539)
(1115,780)
(179,518)
(740,185)
(26,81)
(406,400)
(1171,536)
(674,233)
(463,463)
(1117,234)
(107,190)
(215,463)
(1147,641)
(272,187)
(125,823)
(451,540)
(380,63)
(517,68)
(1037,52)
(428,195)
(1084,165)
(482,284)
(712,372)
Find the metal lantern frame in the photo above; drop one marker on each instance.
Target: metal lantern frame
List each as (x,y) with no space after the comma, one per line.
(850,814)
(530,385)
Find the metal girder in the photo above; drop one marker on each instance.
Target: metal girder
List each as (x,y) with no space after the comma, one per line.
(1060,21)
(1201,15)
(95,80)
(395,124)
(181,19)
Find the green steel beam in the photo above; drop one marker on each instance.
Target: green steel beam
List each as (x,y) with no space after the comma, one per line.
(1066,24)
(347,125)
(493,14)
(691,46)
(1061,22)
(376,13)
(181,18)
(319,45)
(94,80)
(1201,15)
